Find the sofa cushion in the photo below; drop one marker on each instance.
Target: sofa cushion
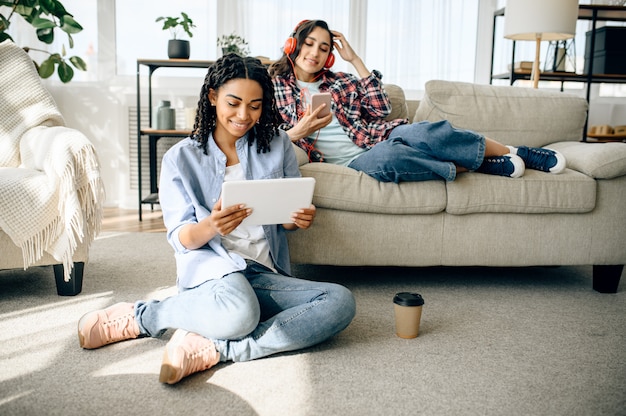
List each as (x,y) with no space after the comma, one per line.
(301,156)
(511,115)
(346,189)
(598,160)
(399,107)
(534,193)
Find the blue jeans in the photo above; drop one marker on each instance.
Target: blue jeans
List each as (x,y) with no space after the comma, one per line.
(254,313)
(421,152)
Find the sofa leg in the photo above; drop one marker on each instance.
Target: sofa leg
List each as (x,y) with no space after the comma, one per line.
(75,285)
(606,278)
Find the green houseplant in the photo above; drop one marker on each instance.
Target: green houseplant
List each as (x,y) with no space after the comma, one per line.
(178,48)
(233,43)
(45,16)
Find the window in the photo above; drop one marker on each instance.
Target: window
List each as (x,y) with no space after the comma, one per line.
(85,42)
(409,42)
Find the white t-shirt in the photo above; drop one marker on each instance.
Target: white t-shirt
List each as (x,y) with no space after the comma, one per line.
(331,141)
(247,240)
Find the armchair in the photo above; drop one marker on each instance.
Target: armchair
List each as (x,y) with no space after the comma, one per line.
(51,192)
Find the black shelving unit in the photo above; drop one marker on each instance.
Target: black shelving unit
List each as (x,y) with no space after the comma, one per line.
(594,13)
(151,134)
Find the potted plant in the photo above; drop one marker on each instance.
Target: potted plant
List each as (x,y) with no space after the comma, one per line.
(45,16)
(177,48)
(233,43)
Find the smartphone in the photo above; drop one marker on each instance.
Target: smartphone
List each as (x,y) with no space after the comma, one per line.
(319,99)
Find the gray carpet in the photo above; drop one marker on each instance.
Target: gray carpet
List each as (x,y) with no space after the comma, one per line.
(521,341)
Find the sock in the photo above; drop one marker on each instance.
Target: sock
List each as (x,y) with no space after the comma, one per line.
(513,149)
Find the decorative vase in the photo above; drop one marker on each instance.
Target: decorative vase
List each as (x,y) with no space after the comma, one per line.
(165,116)
(178,49)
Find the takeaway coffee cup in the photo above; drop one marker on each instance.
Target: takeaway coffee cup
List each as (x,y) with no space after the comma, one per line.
(408,311)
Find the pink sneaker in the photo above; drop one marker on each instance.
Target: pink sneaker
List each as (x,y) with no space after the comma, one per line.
(185,354)
(105,326)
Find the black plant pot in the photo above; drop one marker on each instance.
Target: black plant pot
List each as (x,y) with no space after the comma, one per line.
(178,49)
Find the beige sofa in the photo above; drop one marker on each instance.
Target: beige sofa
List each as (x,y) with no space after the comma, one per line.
(51,192)
(574,218)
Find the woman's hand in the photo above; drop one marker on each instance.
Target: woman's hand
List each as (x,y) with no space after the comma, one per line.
(309,124)
(303,218)
(343,47)
(224,221)
(221,221)
(347,54)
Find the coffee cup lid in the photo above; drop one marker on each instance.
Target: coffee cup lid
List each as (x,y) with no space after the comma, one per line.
(408,299)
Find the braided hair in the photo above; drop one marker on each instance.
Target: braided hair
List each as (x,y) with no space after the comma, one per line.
(229,67)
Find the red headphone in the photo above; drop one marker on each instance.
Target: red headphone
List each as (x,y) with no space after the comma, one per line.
(291,43)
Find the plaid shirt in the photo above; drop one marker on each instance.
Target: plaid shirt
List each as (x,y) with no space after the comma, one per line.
(360,105)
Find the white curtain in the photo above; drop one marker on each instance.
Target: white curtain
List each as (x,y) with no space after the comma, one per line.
(409,41)
(412,42)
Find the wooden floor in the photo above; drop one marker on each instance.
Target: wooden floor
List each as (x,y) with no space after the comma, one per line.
(121,220)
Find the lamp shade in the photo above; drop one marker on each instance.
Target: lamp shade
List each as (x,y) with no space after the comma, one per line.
(551,19)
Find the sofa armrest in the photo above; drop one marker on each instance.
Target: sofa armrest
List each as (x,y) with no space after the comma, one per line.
(62,153)
(597,160)
(70,162)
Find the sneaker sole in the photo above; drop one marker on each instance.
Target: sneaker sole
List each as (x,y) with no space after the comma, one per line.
(560,164)
(170,374)
(518,166)
(82,339)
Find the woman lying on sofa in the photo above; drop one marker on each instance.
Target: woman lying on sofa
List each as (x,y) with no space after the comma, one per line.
(355,133)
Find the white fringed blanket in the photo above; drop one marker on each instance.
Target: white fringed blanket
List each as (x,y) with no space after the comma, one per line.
(51,192)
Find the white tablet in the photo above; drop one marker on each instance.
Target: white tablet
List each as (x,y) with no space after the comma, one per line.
(272,200)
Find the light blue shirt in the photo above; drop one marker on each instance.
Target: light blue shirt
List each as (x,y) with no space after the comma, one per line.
(191,183)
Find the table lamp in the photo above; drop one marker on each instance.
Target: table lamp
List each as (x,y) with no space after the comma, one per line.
(540,20)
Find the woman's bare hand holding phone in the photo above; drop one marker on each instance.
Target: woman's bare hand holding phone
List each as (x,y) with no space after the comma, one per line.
(309,124)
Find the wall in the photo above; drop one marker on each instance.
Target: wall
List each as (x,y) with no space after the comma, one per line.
(101,112)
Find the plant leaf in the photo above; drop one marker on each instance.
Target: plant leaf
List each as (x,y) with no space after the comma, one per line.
(56,58)
(45,35)
(42,23)
(46,68)
(66,73)
(4,23)
(78,63)
(47,6)
(25,11)
(69,25)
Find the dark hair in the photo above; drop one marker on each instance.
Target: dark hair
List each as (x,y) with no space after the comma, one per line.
(284,65)
(229,67)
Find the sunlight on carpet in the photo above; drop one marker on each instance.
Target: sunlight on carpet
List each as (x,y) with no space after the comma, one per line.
(148,362)
(42,335)
(294,380)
